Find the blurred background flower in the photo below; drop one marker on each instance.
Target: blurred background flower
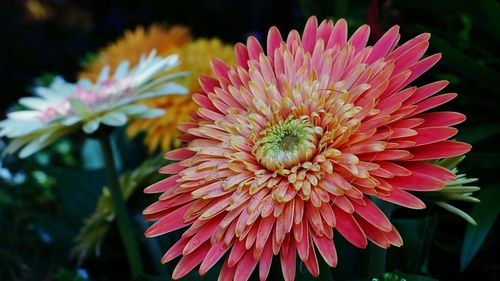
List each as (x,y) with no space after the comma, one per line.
(195,56)
(64,107)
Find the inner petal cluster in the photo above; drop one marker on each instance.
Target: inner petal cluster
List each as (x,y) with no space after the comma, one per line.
(286,144)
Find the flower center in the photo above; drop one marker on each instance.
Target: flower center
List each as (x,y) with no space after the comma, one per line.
(286,144)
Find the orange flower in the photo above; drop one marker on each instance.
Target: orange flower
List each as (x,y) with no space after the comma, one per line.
(195,56)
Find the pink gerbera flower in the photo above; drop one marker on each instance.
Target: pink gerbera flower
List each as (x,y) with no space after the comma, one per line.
(291,143)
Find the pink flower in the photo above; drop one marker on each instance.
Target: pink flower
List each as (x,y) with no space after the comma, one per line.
(291,143)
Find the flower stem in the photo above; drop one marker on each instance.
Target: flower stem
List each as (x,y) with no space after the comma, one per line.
(377,255)
(124,224)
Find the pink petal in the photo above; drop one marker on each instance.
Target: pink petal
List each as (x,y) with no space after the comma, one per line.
(254,48)
(384,44)
(426,91)
(374,234)
(169,222)
(227,273)
(237,251)
(179,154)
(175,250)
(241,53)
(245,267)
(274,41)
(431,170)
(403,198)
(163,185)
(350,229)
(309,35)
(265,227)
(326,249)
(408,45)
(202,236)
(288,261)
(312,262)
(360,37)
(208,83)
(338,35)
(411,56)
(219,68)
(189,262)
(439,150)
(324,30)
(432,135)
(265,261)
(446,118)
(172,169)
(394,237)
(214,254)
(372,214)
(416,182)
(421,67)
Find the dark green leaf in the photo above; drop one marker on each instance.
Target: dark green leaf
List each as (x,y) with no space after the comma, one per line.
(485,214)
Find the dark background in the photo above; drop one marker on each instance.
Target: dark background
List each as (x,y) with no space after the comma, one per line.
(35,45)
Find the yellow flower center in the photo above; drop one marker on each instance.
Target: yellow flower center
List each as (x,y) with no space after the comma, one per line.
(286,144)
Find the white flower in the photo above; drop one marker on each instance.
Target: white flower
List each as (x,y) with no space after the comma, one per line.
(64,107)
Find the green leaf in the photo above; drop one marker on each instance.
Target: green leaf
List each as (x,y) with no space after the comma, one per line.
(478,133)
(491,10)
(485,214)
(468,66)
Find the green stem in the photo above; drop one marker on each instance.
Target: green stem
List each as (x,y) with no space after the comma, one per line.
(124,224)
(377,255)
(425,243)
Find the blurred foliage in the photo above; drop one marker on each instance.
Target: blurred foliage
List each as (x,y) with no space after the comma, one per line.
(43,205)
(96,227)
